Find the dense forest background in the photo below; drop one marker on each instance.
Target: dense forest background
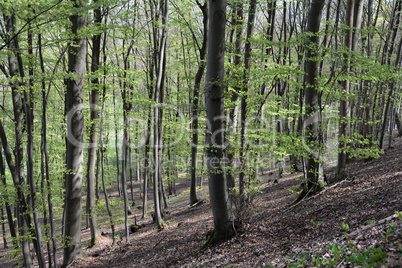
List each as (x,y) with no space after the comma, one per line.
(101,96)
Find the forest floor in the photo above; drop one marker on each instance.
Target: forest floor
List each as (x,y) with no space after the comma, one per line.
(350,223)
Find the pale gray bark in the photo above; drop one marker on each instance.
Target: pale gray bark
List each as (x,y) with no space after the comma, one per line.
(74,141)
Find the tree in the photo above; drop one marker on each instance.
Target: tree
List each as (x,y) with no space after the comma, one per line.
(74,141)
(353,23)
(196,95)
(312,101)
(160,68)
(218,191)
(94,129)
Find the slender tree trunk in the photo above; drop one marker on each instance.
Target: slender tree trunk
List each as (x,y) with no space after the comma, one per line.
(353,22)
(74,142)
(236,37)
(116,144)
(3,228)
(160,60)
(243,104)
(124,152)
(22,206)
(195,103)
(94,130)
(11,223)
(23,218)
(395,25)
(45,162)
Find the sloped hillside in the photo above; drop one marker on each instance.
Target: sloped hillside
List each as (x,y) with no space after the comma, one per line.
(351,223)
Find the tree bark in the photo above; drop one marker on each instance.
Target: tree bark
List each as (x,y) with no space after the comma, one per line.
(353,22)
(214,89)
(160,64)
(195,103)
(74,141)
(312,102)
(94,130)
(45,161)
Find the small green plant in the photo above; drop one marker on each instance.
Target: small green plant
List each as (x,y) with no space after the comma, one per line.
(368,222)
(316,223)
(387,233)
(345,226)
(301,260)
(399,214)
(368,258)
(337,251)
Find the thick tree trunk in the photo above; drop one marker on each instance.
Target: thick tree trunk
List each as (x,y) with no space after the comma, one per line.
(74,141)
(312,102)
(218,191)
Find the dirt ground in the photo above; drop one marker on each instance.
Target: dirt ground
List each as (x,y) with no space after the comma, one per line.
(278,233)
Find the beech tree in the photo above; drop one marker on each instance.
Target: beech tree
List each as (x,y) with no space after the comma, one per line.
(286,66)
(74,141)
(312,101)
(94,128)
(353,22)
(215,84)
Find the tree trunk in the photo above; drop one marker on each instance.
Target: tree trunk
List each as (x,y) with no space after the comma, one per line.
(243,104)
(218,191)
(74,141)
(11,223)
(312,102)
(160,64)
(195,103)
(45,161)
(94,130)
(353,22)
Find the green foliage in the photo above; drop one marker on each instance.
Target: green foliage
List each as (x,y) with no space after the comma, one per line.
(339,254)
(345,226)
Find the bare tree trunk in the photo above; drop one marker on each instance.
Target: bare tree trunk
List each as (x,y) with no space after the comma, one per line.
(312,101)
(45,163)
(395,25)
(353,22)
(94,130)
(195,107)
(160,64)
(243,104)
(218,190)
(74,141)
(236,38)
(22,206)
(11,223)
